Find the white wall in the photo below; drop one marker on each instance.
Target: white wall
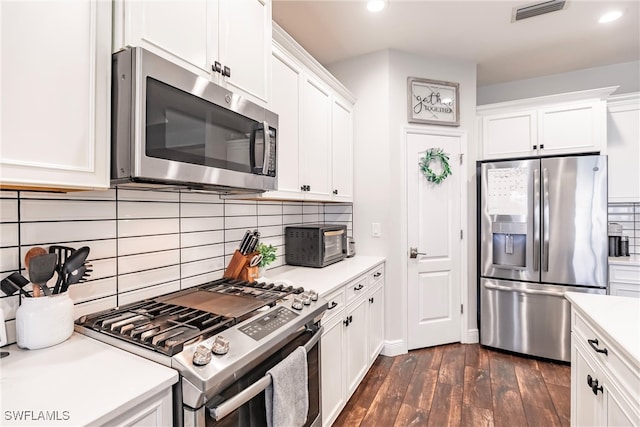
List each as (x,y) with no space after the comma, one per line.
(379,81)
(626,75)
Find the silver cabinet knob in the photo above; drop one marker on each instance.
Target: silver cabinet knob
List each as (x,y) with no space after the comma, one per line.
(202,355)
(220,345)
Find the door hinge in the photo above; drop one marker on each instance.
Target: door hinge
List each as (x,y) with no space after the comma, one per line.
(461,309)
(461,156)
(461,234)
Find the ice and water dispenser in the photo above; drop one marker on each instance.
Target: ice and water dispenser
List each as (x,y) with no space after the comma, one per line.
(509,244)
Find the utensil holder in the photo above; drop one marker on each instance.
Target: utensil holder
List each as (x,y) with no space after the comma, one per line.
(44,321)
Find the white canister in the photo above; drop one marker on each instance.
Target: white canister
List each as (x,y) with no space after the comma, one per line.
(44,321)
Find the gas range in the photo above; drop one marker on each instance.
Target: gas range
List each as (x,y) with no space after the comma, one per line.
(213,333)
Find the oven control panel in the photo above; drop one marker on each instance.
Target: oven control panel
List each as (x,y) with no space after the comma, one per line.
(265,324)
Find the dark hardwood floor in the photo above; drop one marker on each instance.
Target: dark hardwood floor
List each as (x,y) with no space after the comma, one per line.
(460,385)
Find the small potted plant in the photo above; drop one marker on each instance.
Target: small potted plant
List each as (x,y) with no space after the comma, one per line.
(268,253)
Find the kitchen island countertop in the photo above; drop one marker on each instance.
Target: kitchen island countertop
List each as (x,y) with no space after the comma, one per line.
(617,317)
(327,279)
(81,381)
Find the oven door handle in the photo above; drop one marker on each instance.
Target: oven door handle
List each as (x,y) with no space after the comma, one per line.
(233,403)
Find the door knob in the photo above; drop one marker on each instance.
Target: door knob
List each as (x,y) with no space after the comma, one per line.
(413,253)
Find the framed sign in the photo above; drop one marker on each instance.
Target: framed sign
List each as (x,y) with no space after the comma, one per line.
(433,102)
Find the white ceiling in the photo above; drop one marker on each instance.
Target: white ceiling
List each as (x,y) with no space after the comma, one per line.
(479,31)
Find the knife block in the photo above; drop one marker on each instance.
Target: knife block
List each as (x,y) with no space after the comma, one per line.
(237,263)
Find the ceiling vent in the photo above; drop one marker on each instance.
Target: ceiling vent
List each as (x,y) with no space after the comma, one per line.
(532,10)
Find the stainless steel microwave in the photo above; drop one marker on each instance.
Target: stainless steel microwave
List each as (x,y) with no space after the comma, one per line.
(315,245)
(172,127)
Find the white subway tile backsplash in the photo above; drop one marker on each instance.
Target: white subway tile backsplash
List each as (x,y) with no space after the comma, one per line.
(66,210)
(191,210)
(147,227)
(243,222)
(240,209)
(201,238)
(140,262)
(201,224)
(623,214)
(94,306)
(93,289)
(9,305)
(9,234)
(9,259)
(8,210)
(147,210)
(46,233)
(150,292)
(201,252)
(143,279)
(143,243)
(146,195)
(134,245)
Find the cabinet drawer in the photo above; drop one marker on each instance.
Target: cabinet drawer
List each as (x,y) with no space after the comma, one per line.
(624,274)
(376,275)
(612,362)
(357,288)
(335,305)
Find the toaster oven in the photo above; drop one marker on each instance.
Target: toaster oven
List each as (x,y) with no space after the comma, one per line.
(315,245)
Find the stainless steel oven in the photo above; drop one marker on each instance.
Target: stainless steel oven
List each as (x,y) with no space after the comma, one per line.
(242,404)
(173,127)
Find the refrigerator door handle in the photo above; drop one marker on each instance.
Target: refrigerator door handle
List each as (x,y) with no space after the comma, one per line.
(545,223)
(524,291)
(536,219)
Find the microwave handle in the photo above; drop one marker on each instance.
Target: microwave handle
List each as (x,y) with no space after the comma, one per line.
(267,148)
(252,148)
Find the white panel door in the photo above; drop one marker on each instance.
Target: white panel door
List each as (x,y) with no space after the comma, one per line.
(434,224)
(316,138)
(174,29)
(285,102)
(509,135)
(333,374)
(572,128)
(356,350)
(342,151)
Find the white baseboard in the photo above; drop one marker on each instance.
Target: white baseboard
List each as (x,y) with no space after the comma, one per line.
(394,348)
(473,336)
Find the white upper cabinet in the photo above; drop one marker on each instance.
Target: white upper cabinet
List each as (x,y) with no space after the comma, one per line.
(342,150)
(559,124)
(228,41)
(55,72)
(315,142)
(623,148)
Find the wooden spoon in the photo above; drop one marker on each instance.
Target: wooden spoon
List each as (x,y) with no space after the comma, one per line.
(35,251)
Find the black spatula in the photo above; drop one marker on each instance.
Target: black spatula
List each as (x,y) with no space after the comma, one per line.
(41,269)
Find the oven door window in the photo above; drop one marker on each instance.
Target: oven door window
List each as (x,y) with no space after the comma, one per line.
(184,128)
(333,244)
(253,413)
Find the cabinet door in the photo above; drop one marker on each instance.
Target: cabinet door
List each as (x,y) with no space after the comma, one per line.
(342,150)
(587,409)
(616,415)
(55,75)
(244,28)
(356,350)
(285,102)
(333,374)
(623,149)
(376,322)
(573,128)
(509,135)
(316,138)
(173,29)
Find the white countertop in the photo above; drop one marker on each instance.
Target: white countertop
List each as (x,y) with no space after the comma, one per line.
(618,317)
(327,279)
(625,260)
(92,381)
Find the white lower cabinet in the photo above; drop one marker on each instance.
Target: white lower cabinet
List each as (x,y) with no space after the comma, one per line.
(624,280)
(604,389)
(155,411)
(352,339)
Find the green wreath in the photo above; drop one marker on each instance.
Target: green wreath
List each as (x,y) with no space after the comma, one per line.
(431,155)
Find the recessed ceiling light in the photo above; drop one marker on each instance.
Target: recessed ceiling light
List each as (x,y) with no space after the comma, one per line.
(610,16)
(375,5)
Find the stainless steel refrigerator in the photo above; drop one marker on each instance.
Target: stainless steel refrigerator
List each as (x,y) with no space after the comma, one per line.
(542,231)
